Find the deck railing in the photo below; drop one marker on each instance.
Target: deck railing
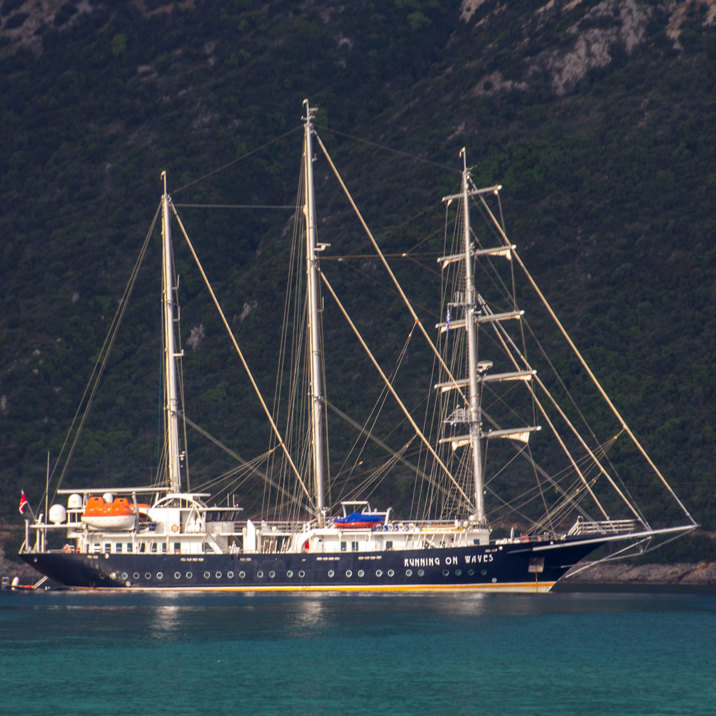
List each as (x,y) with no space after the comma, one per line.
(583,527)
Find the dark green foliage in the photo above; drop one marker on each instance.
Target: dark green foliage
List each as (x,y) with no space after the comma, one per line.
(609,191)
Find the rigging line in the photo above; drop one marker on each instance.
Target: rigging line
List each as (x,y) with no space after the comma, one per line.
(574,404)
(511,509)
(366,430)
(241,358)
(245,464)
(586,367)
(373,479)
(101,362)
(238,159)
(180,368)
(548,517)
(400,153)
(392,390)
(504,339)
(538,470)
(402,255)
(623,553)
(235,206)
(567,499)
(388,269)
(384,286)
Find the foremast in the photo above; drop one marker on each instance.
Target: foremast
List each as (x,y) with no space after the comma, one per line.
(315,347)
(466,301)
(171,404)
(474,397)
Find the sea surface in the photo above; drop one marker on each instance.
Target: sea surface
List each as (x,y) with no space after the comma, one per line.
(560,653)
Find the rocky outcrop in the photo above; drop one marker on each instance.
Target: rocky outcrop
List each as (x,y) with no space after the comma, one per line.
(11,569)
(702,573)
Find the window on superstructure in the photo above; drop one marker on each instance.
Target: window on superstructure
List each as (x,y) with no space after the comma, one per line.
(354,546)
(177,547)
(118,547)
(343,546)
(129,546)
(107,547)
(165,547)
(154,546)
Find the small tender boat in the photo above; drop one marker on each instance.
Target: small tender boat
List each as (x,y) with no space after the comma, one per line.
(358,521)
(101,513)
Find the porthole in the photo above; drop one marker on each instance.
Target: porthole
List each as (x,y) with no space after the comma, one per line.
(349,573)
(260,574)
(125,576)
(272,574)
(177,575)
(483,572)
(446,572)
(458,572)
(301,574)
(230,575)
(289,574)
(136,576)
(189,575)
(421,573)
(242,574)
(361,573)
(160,576)
(218,575)
(470,572)
(494,579)
(113,575)
(408,572)
(102,576)
(331,573)
(391,573)
(207,575)
(378,572)
(147,575)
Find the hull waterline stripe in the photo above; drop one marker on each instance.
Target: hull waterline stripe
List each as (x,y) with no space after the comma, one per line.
(507,586)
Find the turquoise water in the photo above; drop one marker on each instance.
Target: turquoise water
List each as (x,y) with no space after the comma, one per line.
(561,653)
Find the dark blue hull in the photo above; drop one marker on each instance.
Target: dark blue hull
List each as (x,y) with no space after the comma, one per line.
(525,566)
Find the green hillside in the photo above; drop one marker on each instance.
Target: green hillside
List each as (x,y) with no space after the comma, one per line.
(596,117)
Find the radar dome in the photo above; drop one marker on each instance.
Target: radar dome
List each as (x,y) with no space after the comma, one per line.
(58,514)
(75,501)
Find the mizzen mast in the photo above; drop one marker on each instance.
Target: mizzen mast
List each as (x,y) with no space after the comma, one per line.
(171,405)
(315,346)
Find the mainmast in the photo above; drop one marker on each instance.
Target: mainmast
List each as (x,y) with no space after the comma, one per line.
(474,398)
(170,356)
(314,327)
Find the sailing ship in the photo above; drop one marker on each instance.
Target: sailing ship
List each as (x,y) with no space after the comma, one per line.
(168,537)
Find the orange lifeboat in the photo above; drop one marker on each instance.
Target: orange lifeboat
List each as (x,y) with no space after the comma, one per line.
(118,514)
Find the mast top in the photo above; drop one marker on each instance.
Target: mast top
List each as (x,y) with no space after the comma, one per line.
(310,111)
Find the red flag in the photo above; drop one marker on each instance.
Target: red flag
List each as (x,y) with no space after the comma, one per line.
(23,501)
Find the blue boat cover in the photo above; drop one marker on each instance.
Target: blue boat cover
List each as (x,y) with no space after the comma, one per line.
(358,517)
